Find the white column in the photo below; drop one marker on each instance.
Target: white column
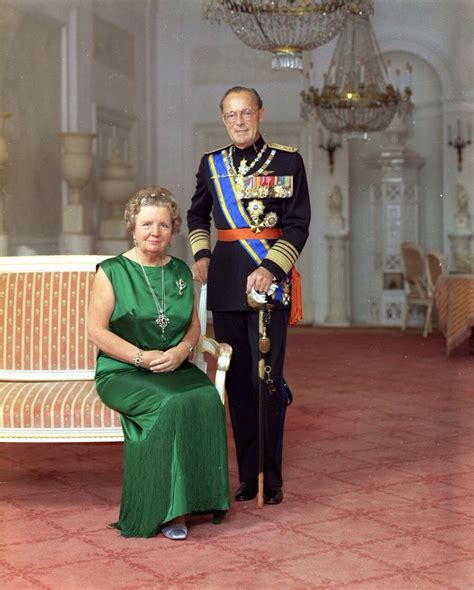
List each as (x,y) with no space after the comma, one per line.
(338,260)
(3,162)
(77,53)
(338,305)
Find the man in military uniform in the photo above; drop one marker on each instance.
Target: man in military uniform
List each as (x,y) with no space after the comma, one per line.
(258,195)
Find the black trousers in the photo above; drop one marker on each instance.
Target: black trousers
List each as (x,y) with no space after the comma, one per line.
(240,330)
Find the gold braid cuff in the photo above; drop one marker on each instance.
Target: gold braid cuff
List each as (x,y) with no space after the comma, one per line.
(283,254)
(200,239)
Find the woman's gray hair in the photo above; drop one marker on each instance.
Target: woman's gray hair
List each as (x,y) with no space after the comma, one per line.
(154,196)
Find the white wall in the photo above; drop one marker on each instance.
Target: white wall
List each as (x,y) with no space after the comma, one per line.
(30,91)
(182,65)
(105,62)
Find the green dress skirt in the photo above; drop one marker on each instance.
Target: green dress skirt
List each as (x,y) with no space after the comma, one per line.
(175,452)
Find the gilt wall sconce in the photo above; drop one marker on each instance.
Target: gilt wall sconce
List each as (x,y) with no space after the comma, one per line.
(460,141)
(329,145)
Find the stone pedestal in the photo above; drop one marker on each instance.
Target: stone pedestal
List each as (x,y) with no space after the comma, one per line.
(461,258)
(73,240)
(76,166)
(338,304)
(73,218)
(70,243)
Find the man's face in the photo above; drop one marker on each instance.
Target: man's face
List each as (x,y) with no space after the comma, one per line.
(241,116)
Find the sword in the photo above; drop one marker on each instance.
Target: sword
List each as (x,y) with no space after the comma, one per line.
(258,301)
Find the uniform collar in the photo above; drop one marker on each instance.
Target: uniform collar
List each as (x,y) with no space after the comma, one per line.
(251,151)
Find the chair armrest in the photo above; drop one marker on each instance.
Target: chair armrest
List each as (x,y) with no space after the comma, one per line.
(222,352)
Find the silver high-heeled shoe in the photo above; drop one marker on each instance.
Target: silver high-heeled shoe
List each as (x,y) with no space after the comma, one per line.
(175,532)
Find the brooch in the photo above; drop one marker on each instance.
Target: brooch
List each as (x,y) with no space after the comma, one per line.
(181,286)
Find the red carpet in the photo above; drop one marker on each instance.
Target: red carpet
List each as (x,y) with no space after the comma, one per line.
(379,469)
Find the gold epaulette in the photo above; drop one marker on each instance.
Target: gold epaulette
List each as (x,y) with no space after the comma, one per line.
(218,149)
(283,148)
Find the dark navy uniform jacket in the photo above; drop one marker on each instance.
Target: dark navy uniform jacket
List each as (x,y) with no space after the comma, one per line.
(230,264)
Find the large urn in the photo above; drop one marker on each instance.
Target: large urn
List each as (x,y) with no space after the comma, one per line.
(76,161)
(115,187)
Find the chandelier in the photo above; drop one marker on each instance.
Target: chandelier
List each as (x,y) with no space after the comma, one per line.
(284,27)
(359,93)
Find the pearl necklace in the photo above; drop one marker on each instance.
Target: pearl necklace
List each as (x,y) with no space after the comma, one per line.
(162,320)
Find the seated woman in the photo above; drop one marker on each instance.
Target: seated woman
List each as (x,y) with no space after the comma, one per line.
(143,320)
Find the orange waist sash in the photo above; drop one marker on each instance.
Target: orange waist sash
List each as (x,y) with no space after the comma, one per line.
(244,233)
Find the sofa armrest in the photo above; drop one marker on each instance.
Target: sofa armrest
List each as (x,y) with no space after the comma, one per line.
(222,352)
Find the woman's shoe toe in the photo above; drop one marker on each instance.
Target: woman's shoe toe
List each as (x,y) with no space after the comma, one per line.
(175,532)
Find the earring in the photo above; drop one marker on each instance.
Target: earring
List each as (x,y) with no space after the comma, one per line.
(134,240)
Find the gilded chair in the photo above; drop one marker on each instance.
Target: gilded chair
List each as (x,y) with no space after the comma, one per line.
(416,284)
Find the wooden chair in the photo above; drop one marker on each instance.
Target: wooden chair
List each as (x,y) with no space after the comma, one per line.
(417,287)
(435,266)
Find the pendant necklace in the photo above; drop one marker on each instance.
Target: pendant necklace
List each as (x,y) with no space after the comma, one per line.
(162,320)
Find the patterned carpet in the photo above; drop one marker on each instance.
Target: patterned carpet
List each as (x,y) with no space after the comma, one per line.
(379,468)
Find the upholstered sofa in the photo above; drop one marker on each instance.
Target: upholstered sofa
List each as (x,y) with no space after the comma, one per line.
(47,391)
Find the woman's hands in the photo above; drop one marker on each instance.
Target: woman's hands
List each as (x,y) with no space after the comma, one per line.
(159,361)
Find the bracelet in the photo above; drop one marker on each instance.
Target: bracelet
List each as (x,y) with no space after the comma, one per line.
(138,358)
(189,345)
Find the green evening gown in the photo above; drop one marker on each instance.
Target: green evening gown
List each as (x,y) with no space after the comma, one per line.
(175,452)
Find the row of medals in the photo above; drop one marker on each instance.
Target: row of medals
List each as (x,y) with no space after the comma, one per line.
(255,206)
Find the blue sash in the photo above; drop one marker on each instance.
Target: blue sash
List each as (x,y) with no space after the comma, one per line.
(231,206)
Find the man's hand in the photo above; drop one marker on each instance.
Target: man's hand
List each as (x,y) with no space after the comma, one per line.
(260,280)
(199,270)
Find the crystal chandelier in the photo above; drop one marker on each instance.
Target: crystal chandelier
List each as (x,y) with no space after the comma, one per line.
(284,27)
(359,94)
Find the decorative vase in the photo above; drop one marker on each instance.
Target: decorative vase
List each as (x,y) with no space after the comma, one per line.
(76,161)
(115,187)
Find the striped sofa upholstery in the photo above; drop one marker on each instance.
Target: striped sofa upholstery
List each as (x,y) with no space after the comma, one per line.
(47,391)
(47,364)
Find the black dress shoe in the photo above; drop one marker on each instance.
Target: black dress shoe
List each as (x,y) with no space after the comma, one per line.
(247,490)
(273,496)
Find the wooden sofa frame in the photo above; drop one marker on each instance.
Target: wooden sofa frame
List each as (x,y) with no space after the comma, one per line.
(47,363)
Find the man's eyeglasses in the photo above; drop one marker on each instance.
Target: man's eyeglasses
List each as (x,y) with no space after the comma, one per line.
(246,114)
